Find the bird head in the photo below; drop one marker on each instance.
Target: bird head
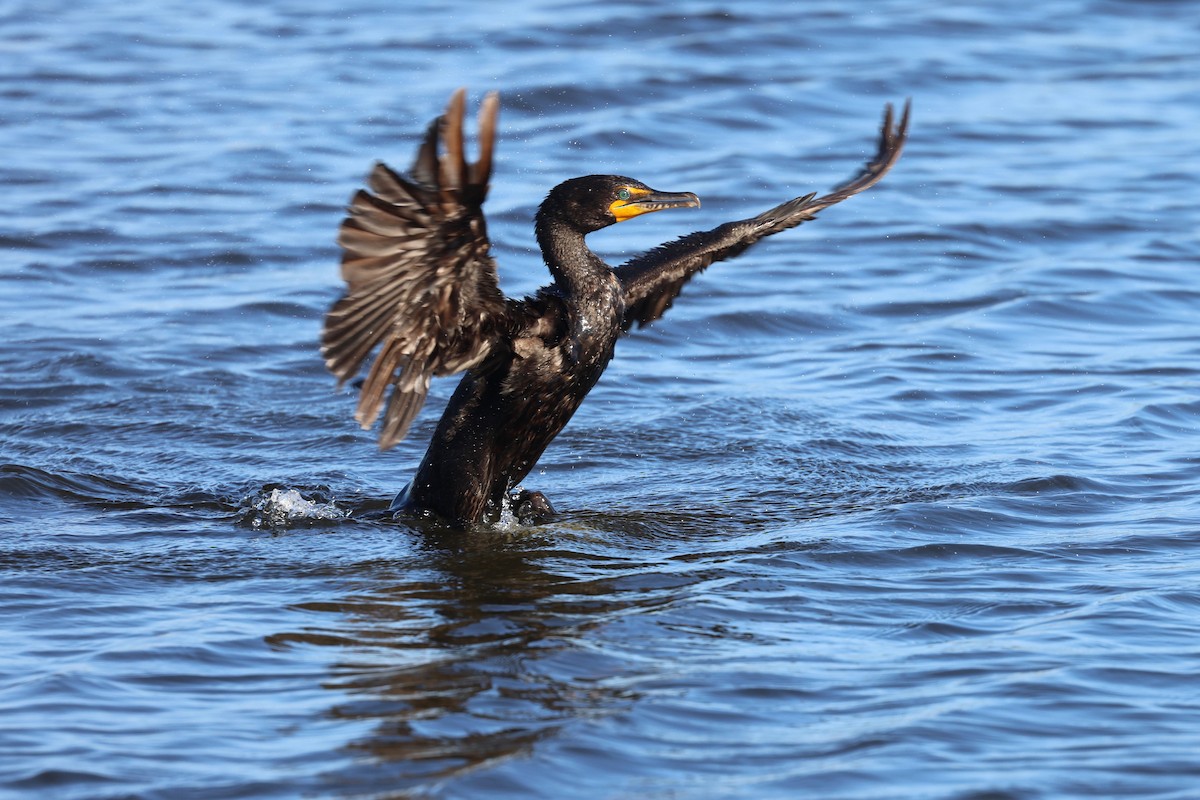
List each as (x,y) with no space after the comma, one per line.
(597,201)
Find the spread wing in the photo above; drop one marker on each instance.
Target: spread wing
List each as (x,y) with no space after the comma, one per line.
(654,279)
(420,283)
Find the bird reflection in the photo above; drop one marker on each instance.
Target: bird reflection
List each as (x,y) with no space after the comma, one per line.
(470,658)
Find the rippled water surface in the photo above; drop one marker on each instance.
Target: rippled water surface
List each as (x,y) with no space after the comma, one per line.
(902,503)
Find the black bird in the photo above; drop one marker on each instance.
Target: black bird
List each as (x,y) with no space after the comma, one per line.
(422,283)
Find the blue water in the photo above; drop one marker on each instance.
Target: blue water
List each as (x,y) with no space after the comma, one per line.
(901,503)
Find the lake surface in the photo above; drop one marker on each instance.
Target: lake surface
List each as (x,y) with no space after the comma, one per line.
(901,503)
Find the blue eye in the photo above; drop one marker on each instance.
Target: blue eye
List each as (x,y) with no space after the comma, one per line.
(622,194)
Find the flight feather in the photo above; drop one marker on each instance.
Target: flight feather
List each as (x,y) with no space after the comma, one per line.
(421,285)
(654,279)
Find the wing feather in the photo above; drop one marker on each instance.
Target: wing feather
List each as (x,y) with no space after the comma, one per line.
(654,279)
(421,285)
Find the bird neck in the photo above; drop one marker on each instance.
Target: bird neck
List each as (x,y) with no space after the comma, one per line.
(572,263)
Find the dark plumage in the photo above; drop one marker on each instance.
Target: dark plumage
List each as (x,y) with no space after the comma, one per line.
(422,284)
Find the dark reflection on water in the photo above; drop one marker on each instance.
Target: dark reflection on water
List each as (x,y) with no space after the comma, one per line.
(449,669)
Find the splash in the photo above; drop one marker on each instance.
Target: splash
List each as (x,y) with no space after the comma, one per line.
(287,508)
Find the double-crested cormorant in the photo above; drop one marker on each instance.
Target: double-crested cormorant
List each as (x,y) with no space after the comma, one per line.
(422,283)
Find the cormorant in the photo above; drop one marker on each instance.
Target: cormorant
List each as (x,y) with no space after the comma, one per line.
(422,284)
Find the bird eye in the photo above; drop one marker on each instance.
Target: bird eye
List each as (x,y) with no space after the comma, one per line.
(622,194)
